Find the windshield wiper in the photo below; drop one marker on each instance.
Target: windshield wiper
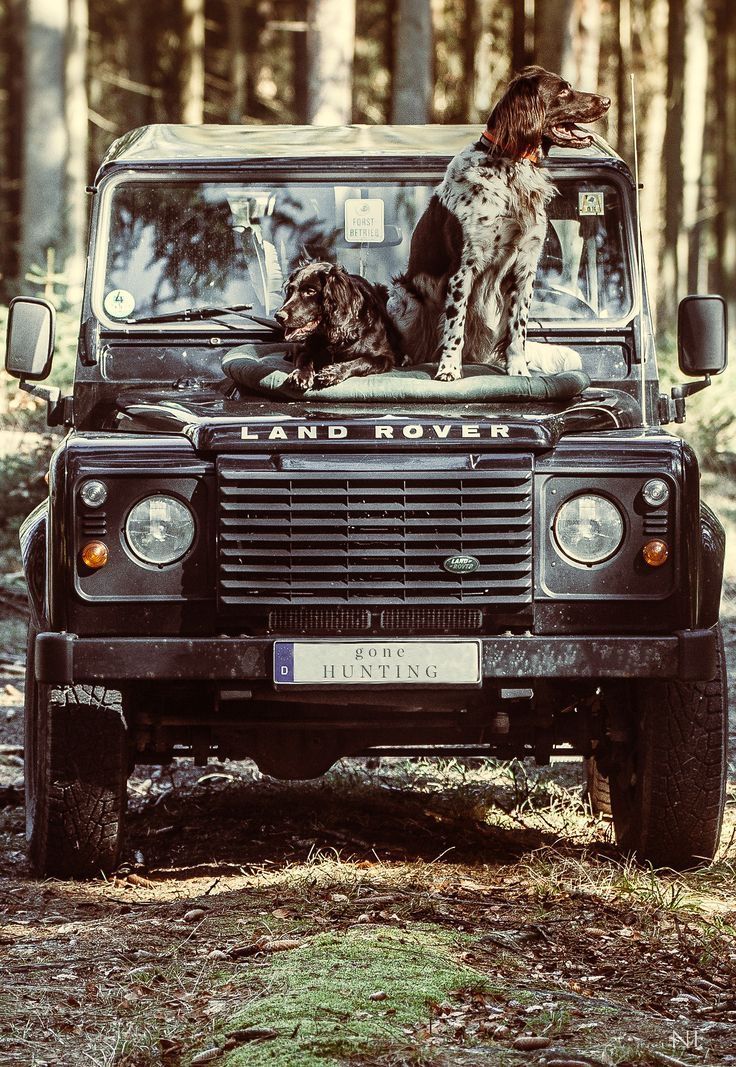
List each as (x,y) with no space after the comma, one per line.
(193,314)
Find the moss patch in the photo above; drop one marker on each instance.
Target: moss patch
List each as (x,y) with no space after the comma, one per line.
(320,995)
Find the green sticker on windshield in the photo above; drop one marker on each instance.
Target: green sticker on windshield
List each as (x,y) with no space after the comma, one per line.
(590,202)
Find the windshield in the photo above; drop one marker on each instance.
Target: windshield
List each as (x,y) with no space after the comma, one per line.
(173,246)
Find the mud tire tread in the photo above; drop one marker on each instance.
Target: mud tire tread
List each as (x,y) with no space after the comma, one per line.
(675,812)
(81,782)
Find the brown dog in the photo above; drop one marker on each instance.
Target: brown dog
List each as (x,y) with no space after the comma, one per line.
(342,324)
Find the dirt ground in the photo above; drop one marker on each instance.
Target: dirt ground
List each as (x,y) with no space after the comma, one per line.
(411,913)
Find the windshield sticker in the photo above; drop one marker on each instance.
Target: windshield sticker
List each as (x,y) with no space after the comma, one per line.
(364,220)
(119,304)
(591,203)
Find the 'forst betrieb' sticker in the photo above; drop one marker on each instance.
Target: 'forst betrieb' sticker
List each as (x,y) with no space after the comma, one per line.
(364,220)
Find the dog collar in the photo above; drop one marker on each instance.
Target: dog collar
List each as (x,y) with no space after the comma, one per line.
(532,154)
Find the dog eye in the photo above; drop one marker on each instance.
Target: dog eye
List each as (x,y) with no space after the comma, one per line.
(308,292)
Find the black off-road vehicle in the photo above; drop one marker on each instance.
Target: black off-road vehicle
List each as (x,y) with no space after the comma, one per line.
(225,569)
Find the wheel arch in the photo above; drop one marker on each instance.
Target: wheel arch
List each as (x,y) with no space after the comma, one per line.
(712,554)
(33,541)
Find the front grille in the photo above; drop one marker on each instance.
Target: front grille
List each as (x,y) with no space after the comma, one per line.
(319,621)
(346,621)
(320,539)
(431,621)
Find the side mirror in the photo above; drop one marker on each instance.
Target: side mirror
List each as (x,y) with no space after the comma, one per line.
(31,334)
(701,335)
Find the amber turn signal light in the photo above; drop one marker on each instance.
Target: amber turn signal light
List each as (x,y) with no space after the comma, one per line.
(655,553)
(95,555)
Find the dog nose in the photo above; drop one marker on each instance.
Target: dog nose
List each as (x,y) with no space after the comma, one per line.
(280,316)
(606,102)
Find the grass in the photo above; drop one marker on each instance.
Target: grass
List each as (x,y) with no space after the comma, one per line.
(320,1002)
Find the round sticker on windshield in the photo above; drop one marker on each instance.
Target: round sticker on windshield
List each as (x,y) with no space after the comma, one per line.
(119,303)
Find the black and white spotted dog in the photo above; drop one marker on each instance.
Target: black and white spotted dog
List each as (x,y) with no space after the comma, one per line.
(474,252)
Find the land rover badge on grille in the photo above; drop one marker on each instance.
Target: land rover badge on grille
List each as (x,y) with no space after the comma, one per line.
(461,564)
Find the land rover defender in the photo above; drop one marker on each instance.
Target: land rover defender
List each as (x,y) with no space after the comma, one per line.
(225,571)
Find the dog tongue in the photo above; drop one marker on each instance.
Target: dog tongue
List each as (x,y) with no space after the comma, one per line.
(564,133)
(567,133)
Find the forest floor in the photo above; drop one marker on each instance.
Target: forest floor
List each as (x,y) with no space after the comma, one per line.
(413,913)
(428,913)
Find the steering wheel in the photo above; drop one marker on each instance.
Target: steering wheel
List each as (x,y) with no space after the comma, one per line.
(563,298)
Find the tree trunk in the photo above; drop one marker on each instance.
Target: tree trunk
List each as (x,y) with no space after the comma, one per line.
(301,68)
(238,61)
(331,45)
(672,164)
(624,68)
(589,47)
(554,32)
(723,271)
(44,131)
(413,55)
(192,62)
(695,163)
(486,63)
(137,34)
(77,129)
(652,118)
(469,39)
(521,54)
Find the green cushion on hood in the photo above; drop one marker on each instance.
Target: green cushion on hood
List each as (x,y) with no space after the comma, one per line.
(263,369)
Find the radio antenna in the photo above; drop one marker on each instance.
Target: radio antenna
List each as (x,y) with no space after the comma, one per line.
(643,330)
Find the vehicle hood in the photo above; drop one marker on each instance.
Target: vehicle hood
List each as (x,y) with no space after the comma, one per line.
(216,423)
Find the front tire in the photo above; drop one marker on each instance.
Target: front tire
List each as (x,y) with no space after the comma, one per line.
(668,784)
(75,775)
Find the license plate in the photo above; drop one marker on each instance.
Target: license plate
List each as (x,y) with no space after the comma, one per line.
(422,663)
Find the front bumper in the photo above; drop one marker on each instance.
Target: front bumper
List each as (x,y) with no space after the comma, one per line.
(64,658)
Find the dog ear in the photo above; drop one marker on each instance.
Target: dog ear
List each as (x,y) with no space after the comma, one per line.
(341,299)
(517,120)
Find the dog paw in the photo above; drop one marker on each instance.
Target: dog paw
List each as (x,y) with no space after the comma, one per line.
(300,379)
(447,375)
(517,365)
(324,378)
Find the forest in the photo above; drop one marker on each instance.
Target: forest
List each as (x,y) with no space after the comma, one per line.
(439,909)
(76,74)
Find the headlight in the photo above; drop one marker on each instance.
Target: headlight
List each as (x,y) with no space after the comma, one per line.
(159,529)
(589,528)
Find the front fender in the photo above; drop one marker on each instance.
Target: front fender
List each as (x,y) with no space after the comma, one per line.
(713,549)
(32,537)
